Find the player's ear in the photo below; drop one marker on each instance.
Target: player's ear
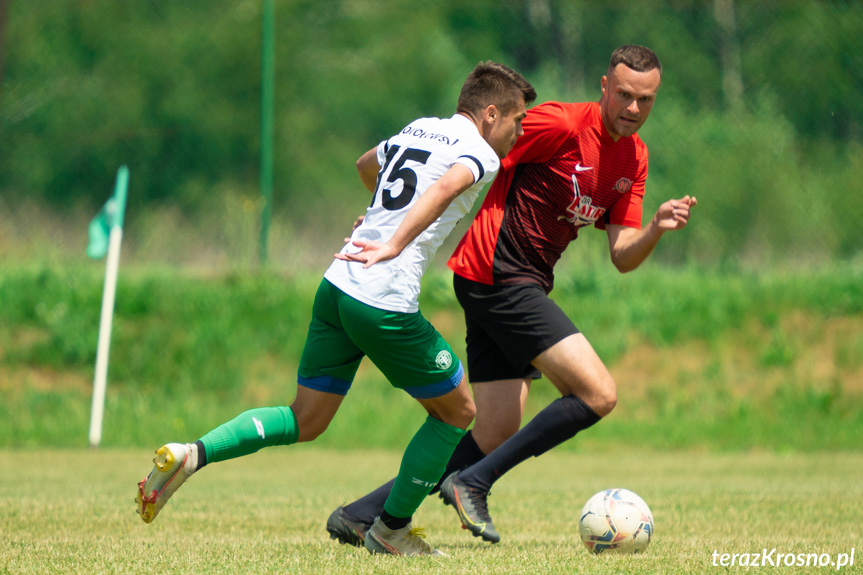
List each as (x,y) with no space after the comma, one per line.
(490,114)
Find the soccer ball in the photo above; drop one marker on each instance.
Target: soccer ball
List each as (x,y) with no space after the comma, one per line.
(616,521)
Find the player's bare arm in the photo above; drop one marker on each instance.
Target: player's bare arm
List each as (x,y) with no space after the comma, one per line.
(368,168)
(629,247)
(426,210)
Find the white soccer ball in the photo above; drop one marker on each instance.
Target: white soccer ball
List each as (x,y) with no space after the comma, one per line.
(616,521)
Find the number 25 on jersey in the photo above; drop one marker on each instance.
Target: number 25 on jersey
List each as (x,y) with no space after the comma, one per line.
(393,172)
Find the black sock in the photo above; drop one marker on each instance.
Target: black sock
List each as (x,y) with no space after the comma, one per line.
(394,522)
(202,455)
(467,452)
(559,421)
(366,508)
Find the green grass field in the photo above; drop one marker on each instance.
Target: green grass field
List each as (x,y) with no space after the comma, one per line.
(72,511)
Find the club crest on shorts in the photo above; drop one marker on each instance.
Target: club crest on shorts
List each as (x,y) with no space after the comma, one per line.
(443,359)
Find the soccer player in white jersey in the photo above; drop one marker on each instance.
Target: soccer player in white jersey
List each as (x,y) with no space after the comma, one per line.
(423,180)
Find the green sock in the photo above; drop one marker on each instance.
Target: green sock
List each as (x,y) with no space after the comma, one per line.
(251,431)
(422,465)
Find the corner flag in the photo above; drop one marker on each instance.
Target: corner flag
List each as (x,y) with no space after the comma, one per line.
(106,234)
(109,216)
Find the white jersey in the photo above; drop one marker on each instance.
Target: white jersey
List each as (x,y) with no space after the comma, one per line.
(411,161)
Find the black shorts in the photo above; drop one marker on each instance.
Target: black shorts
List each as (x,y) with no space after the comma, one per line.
(507,327)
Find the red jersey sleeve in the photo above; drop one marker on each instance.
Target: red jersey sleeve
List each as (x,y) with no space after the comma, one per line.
(628,209)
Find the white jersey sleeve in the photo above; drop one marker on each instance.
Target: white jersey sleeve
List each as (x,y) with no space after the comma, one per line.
(411,161)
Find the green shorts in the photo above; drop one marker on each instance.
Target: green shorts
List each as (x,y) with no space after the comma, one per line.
(404,346)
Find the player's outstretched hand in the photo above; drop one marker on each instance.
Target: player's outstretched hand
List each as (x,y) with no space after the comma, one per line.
(356,225)
(674,214)
(371,252)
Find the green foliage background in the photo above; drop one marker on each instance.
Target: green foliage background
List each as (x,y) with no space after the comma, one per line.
(758,117)
(709,360)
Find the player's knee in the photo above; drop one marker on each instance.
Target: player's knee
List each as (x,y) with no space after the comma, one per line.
(605,401)
(460,416)
(463,417)
(469,414)
(607,406)
(600,395)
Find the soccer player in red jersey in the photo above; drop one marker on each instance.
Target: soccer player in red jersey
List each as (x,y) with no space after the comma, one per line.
(576,165)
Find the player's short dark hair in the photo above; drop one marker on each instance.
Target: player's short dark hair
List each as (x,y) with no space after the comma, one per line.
(636,57)
(490,83)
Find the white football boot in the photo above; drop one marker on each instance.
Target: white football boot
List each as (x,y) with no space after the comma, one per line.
(405,541)
(174,464)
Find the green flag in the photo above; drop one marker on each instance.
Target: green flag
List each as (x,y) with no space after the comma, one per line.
(109,216)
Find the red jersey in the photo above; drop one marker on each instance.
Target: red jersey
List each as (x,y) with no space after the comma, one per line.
(564,173)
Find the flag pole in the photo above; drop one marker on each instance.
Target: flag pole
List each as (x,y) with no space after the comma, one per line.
(268,35)
(115,214)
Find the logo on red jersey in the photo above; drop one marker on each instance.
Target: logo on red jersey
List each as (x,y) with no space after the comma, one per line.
(581,211)
(622,186)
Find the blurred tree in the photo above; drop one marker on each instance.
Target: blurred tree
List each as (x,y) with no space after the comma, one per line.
(807,54)
(729,47)
(173,90)
(3,12)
